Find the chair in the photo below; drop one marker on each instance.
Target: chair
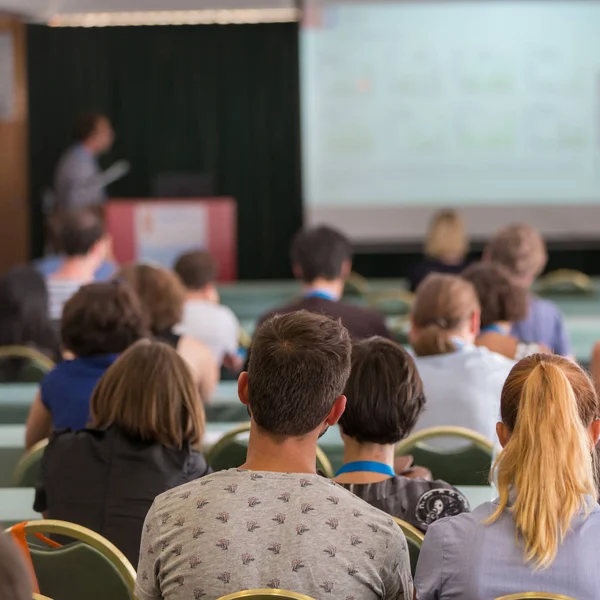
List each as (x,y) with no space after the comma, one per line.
(414,539)
(356,285)
(535,596)
(469,465)
(391,302)
(40,597)
(565,281)
(263,594)
(229,452)
(22,364)
(28,468)
(91,567)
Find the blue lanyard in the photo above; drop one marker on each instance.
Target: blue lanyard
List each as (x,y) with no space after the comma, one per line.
(367,465)
(320,294)
(493,328)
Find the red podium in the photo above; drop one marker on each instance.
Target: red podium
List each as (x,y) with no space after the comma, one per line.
(159,230)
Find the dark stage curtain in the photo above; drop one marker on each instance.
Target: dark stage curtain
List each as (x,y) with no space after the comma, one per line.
(219,99)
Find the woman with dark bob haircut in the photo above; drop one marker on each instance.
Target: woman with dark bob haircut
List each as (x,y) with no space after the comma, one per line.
(99,322)
(147,423)
(384,400)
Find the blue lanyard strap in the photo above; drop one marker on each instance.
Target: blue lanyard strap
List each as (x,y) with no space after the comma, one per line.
(493,328)
(367,465)
(316,293)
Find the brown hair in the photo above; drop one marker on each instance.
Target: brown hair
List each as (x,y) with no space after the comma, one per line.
(149,393)
(79,231)
(500,298)
(196,269)
(298,366)
(102,318)
(447,236)
(548,402)
(86,124)
(161,293)
(519,248)
(442,304)
(384,392)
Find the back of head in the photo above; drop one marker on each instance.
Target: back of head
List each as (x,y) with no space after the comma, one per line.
(521,249)
(161,293)
(149,394)
(86,125)
(15,580)
(298,366)
(102,318)
(320,253)
(79,231)
(500,298)
(547,405)
(443,304)
(196,269)
(384,392)
(447,237)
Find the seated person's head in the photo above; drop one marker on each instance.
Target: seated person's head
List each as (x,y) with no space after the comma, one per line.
(15,580)
(549,430)
(81,235)
(161,293)
(445,314)
(298,367)
(102,318)
(384,393)
(198,270)
(521,249)
(447,239)
(149,394)
(501,299)
(321,253)
(95,131)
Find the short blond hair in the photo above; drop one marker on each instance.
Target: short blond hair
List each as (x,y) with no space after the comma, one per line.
(447,236)
(521,249)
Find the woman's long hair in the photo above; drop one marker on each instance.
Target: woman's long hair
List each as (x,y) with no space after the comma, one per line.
(547,468)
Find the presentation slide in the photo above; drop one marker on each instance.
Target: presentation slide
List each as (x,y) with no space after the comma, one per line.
(492,107)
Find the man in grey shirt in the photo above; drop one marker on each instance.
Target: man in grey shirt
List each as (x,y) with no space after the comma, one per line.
(79,181)
(274,522)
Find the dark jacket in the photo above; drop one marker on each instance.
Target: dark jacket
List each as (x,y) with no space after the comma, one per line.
(419,502)
(107,481)
(430,265)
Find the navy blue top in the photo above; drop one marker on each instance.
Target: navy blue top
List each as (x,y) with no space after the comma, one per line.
(67,389)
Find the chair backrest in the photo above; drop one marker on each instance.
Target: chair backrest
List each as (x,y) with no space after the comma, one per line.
(40,597)
(414,539)
(91,567)
(535,596)
(230,452)
(27,470)
(391,302)
(565,281)
(356,285)
(21,364)
(468,465)
(266,594)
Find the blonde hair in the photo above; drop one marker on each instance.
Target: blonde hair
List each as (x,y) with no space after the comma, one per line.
(149,393)
(521,249)
(447,236)
(547,403)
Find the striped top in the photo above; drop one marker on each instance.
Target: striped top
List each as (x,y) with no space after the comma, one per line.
(59,291)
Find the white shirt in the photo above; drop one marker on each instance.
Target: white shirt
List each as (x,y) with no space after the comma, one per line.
(212,324)
(59,291)
(463,389)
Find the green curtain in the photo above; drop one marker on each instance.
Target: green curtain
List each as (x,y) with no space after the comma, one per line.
(219,99)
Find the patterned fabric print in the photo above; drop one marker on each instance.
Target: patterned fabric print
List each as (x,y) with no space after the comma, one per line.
(237,530)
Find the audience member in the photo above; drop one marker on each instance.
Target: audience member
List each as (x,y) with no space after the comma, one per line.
(521,249)
(203,317)
(445,249)
(384,400)
(147,423)
(462,382)
(99,322)
(274,522)
(24,320)
(163,296)
(85,246)
(503,302)
(322,260)
(543,533)
(15,580)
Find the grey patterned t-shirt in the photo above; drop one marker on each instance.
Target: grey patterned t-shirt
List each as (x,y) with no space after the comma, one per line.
(237,530)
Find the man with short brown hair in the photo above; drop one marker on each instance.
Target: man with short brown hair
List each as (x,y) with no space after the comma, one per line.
(274,522)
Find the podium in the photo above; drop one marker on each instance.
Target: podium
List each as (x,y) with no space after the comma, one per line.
(159,230)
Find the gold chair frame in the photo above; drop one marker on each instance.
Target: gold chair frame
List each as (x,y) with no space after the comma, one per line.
(577,279)
(475,438)
(323,462)
(358,283)
(35,356)
(32,455)
(89,537)
(374,299)
(536,596)
(40,597)
(284,594)
(410,532)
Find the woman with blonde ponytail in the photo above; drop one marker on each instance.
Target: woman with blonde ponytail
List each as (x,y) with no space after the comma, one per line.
(462,382)
(543,532)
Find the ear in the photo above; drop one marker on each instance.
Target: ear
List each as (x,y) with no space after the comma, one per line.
(243,388)
(475,324)
(485,257)
(337,410)
(297,271)
(595,431)
(413,333)
(503,433)
(346,269)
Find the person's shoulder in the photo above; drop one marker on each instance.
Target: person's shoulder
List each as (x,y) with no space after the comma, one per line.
(58,372)
(284,309)
(545,306)
(457,528)
(492,359)
(69,442)
(203,490)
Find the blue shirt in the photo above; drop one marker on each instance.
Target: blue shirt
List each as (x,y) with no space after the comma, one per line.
(544,325)
(51,263)
(463,558)
(67,389)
